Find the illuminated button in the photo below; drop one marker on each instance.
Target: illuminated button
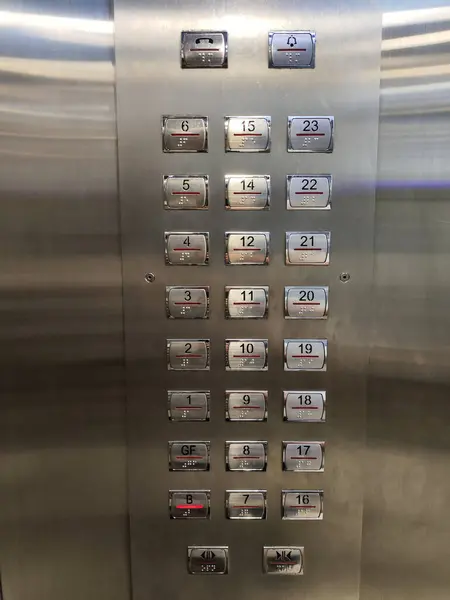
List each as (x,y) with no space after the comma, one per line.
(185,192)
(247,134)
(283,560)
(187,248)
(204,49)
(308,192)
(185,134)
(307,248)
(303,456)
(247,192)
(188,405)
(246,456)
(245,405)
(208,560)
(307,406)
(187,302)
(189,504)
(310,134)
(246,302)
(188,355)
(305,302)
(246,504)
(292,49)
(302,505)
(189,456)
(246,355)
(247,248)
(305,355)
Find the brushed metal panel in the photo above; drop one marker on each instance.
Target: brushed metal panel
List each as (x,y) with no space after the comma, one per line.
(344,84)
(63,525)
(406,517)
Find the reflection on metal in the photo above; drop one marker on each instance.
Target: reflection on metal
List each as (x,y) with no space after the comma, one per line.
(406,528)
(63,522)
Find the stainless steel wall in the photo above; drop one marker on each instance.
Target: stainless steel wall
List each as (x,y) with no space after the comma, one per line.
(63,525)
(406,518)
(63,473)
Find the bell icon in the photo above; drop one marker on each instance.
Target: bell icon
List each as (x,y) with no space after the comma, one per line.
(291,41)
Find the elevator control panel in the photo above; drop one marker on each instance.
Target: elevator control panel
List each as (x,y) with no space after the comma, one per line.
(270,320)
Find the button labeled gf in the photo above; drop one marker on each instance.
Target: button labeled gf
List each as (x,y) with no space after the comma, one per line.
(189,456)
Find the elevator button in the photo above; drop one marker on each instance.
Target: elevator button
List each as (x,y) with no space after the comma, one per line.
(245,405)
(185,134)
(187,302)
(204,49)
(246,456)
(305,302)
(185,192)
(208,560)
(305,355)
(247,248)
(246,355)
(303,456)
(307,248)
(304,406)
(283,560)
(188,355)
(247,192)
(308,192)
(247,134)
(310,134)
(246,302)
(189,456)
(188,405)
(302,505)
(187,248)
(292,49)
(189,504)
(246,504)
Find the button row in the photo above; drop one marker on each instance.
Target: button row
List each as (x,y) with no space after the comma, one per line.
(246,456)
(189,133)
(247,405)
(296,505)
(187,248)
(247,192)
(214,560)
(209,49)
(300,302)
(246,354)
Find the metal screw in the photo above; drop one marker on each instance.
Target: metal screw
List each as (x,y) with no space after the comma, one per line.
(344,277)
(150,278)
